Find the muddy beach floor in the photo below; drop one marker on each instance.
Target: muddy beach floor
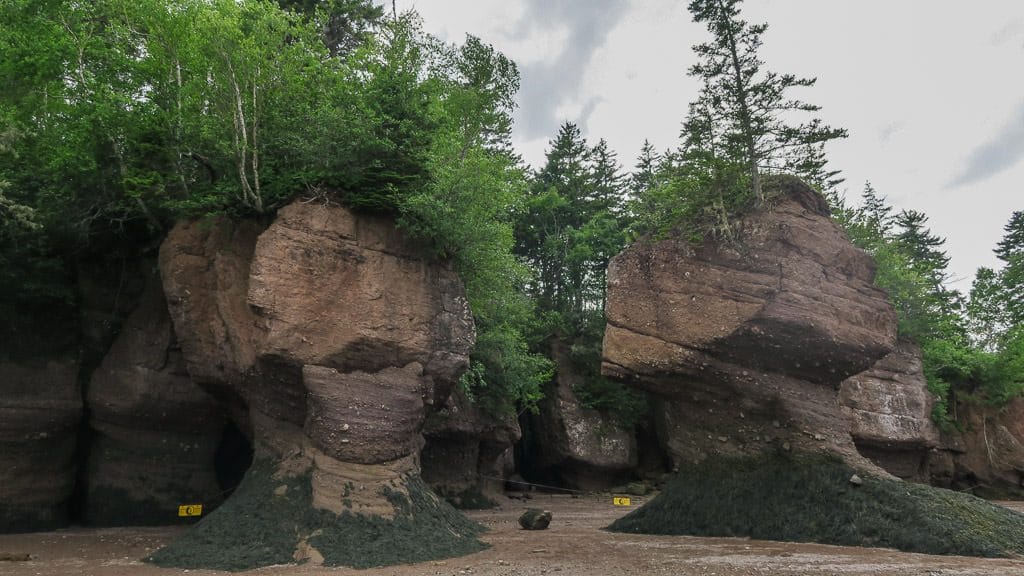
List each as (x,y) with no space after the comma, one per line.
(574,545)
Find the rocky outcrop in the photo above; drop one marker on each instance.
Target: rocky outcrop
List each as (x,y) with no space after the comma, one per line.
(155,432)
(748,342)
(328,336)
(889,409)
(986,454)
(40,409)
(468,452)
(575,446)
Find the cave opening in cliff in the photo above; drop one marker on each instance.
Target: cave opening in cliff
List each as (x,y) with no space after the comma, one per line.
(233,458)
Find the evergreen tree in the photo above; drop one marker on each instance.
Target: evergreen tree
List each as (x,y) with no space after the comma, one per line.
(344,24)
(644,174)
(1011,251)
(748,107)
(922,247)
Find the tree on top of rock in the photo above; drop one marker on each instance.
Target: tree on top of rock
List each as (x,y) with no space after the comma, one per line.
(745,105)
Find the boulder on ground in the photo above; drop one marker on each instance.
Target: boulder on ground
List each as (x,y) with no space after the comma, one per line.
(535,519)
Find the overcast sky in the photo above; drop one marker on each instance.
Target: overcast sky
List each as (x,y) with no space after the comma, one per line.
(932,92)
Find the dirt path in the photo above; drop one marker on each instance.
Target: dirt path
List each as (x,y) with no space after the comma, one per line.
(574,545)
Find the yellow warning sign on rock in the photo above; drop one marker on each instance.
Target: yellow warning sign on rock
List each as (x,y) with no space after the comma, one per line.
(190,510)
(621,501)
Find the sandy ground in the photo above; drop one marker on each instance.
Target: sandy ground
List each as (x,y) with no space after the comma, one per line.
(574,545)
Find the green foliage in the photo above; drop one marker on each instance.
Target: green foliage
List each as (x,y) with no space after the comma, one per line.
(743,113)
(738,128)
(806,498)
(573,223)
(150,110)
(625,405)
(967,347)
(464,213)
(344,24)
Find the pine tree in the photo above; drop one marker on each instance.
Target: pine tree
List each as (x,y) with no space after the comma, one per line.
(344,24)
(1011,251)
(746,105)
(645,172)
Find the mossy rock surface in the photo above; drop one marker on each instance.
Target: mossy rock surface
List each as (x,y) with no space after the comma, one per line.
(263,524)
(811,499)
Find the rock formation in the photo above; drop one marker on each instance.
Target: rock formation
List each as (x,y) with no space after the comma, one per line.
(40,409)
(748,342)
(468,452)
(889,409)
(575,446)
(155,432)
(748,346)
(327,335)
(986,455)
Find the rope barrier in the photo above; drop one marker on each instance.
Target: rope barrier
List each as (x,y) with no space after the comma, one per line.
(532,484)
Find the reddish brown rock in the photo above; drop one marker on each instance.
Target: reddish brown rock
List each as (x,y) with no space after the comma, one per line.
(575,446)
(40,409)
(889,409)
(468,453)
(749,341)
(986,454)
(331,336)
(155,432)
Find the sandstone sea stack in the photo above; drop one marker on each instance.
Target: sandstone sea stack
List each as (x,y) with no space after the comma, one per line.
(748,342)
(326,335)
(748,345)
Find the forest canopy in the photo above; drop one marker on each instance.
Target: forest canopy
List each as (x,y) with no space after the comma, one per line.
(119,117)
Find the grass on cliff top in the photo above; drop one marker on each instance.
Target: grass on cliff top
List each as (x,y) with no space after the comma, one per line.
(810,499)
(257,527)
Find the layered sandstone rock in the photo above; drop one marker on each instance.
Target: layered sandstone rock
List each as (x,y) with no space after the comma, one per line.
(748,342)
(155,432)
(40,409)
(468,452)
(573,445)
(986,454)
(327,335)
(889,409)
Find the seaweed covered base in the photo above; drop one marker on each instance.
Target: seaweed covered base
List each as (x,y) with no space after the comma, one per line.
(271,521)
(805,498)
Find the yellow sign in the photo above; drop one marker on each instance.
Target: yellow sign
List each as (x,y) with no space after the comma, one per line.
(621,500)
(190,510)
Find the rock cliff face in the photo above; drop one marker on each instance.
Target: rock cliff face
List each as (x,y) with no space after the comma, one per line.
(327,336)
(468,452)
(987,455)
(155,432)
(749,343)
(575,446)
(889,409)
(40,409)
